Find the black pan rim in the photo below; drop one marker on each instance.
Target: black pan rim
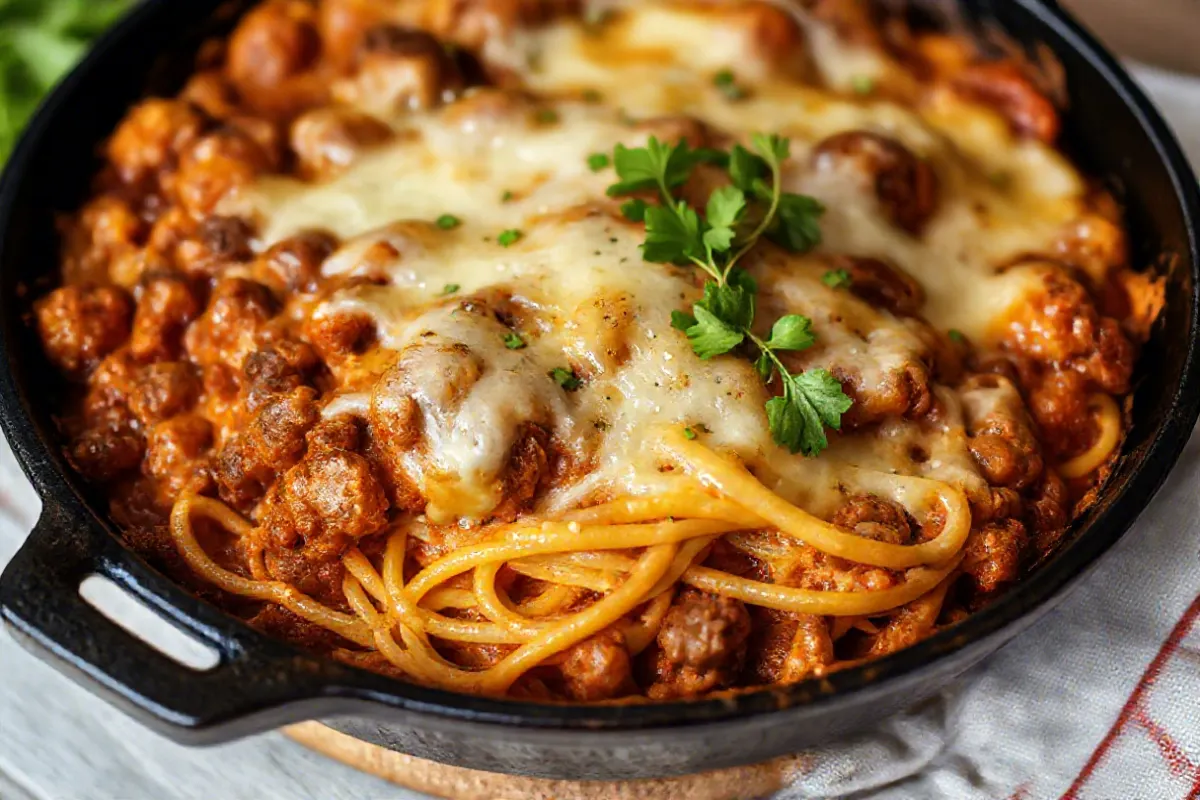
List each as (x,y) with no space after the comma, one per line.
(50,475)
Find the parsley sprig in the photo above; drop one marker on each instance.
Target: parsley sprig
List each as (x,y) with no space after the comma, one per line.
(735,218)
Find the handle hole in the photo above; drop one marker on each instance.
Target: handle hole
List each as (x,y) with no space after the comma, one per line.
(129,613)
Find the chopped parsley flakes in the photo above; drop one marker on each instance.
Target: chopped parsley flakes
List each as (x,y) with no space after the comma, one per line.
(565,378)
(726,83)
(837,279)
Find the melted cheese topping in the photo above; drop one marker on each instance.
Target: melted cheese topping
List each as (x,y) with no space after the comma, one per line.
(588,300)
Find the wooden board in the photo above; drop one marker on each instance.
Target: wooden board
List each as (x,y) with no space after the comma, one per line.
(456,783)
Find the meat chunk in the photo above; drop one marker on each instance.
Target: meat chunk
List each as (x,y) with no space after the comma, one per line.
(166,306)
(702,645)
(400,68)
(276,369)
(226,239)
(883,284)
(811,649)
(229,328)
(176,450)
(279,429)
(274,442)
(271,54)
(214,165)
(1049,509)
(875,518)
(294,264)
(809,568)
(102,242)
(786,647)
(151,136)
(1062,327)
(327,140)
(904,391)
(106,453)
(1003,440)
(905,185)
(993,554)
(163,390)
(343,432)
(338,336)
(471,23)
(1003,86)
(324,504)
(80,325)
(598,668)
(915,621)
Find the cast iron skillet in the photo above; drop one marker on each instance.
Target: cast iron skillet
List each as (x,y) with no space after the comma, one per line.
(260,683)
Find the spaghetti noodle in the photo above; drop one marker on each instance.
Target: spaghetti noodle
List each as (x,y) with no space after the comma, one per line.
(630,553)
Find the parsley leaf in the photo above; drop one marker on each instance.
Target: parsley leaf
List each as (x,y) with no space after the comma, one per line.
(513,341)
(448,222)
(792,332)
(689,434)
(681,320)
(656,165)
(710,336)
(598,161)
(812,401)
(731,304)
(450,288)
(746,169)
(565,378)
(725,207)
(635,210)
(956,336)
(772,147)
(509,237)
(798,230)
(837,279)
(672,234)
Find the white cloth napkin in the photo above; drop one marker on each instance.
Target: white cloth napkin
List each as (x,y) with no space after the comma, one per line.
(1099,701)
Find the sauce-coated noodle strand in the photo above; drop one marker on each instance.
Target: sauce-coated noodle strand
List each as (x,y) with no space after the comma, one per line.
(423,620)
(521,541)
(494,607)
(588,622)
(1108,422)
(805,601)
(737,484)
(686,503)
(272,591)
(643,631)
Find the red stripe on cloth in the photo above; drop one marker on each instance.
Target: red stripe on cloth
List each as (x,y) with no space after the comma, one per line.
(1177,761)
(1133,706)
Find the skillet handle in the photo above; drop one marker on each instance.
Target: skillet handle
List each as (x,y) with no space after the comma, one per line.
(256,685)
